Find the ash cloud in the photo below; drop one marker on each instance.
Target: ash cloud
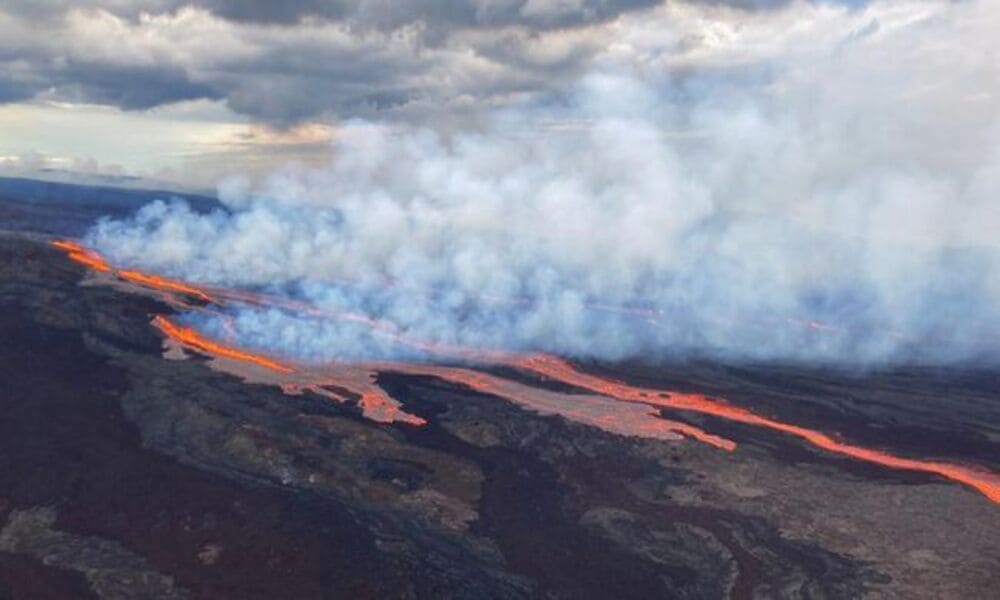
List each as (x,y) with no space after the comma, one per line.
(834,204)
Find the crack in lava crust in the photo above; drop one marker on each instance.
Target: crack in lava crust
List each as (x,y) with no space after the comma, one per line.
(613,406)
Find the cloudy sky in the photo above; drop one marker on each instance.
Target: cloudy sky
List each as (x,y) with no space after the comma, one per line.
(737,167)
(194,91)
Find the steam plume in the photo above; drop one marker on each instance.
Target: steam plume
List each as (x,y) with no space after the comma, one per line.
(836,204)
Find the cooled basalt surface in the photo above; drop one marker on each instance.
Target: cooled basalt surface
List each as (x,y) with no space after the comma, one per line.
(129,475)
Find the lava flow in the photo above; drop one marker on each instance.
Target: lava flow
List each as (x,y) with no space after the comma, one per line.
(340,382)
(78,253)
(336,384)
(163,284)
(611,405)
(984,481)
(596,410)
(192,338)
(95,261)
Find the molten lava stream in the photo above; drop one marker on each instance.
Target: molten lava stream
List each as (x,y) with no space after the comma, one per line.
(192,338)
(386,409)
(600,412)
(163,284)
(78,253)
(982,480)
(374,403)
(95,261)
(359,380)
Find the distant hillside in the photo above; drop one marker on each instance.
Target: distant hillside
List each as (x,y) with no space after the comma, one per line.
(69,209)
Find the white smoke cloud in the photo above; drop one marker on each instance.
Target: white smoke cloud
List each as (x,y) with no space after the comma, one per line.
(834,200)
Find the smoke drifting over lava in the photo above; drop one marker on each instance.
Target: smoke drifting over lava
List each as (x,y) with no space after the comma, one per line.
(616,406)
(766,215)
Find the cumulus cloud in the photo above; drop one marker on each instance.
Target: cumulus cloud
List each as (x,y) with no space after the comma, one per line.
(832,199)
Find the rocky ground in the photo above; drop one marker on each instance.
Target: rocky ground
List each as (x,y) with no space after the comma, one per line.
(124,475)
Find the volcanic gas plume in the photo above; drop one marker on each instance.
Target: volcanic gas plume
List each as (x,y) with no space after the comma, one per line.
(747,218)
(611,405)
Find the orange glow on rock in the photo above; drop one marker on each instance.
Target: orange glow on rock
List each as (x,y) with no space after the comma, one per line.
(190,337)
(373,402)
(85,257)
(986,482)
(163,284)
(612,417)
(95,261)
(378,406)
(68,246)
(90,260)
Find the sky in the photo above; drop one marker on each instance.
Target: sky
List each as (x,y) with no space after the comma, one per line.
(194,92)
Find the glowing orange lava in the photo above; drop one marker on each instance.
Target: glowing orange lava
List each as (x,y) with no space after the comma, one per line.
(613,417)
(984,481)
(190,337)
(377,405)
(339,382)
(95,261)
(68,246)
(163,284)
(374,403)
(78,253)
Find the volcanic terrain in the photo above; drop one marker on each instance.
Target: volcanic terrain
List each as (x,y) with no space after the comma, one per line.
(145,459)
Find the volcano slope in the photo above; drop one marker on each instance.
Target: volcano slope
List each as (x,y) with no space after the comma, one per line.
(125,475)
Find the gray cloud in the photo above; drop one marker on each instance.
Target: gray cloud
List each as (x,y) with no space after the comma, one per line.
(15,91)
(434,14)
(349,58)
(290,61)
(383,14)
(146,87)
(52,11)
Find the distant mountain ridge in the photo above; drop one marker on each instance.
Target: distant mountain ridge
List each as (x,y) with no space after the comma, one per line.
(60,208)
